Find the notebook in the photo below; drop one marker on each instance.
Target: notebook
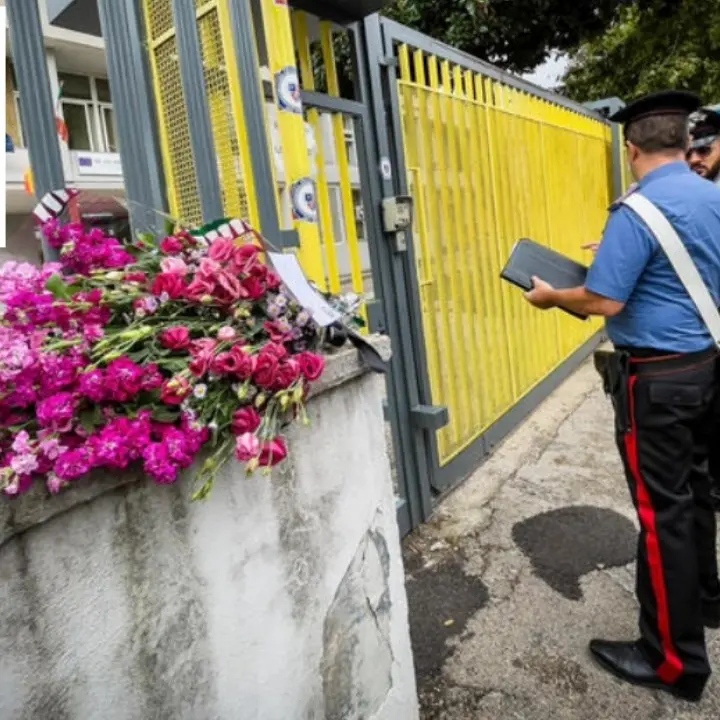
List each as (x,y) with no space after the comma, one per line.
(529,259)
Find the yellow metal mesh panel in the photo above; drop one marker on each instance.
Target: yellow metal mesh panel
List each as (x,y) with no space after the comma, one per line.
(160,17)
(179,164)
(230,162)
(488,165)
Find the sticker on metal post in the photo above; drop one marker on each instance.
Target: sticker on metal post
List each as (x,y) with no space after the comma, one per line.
(304,205)
(282,3)
(386,168)
(287,88)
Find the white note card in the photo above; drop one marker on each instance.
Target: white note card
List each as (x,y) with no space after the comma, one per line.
(292,275)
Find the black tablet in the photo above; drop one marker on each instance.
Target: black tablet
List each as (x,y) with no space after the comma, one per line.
(529,259)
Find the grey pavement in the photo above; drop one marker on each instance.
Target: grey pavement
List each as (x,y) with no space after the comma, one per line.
(522,565)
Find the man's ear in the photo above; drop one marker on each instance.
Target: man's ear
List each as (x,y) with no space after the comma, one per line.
(632,152)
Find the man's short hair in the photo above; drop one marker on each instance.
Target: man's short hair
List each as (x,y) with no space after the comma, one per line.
(660,133)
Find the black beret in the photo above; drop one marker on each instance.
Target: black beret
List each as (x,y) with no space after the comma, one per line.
(671,102)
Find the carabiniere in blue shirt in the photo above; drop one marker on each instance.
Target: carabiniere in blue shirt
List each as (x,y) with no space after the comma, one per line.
(631,268)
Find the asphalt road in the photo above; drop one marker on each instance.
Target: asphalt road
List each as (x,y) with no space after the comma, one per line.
(522,566)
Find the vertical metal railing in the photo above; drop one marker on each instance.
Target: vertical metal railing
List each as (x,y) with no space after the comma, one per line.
(489,163)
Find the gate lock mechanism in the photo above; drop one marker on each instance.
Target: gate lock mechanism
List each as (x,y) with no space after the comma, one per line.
(397,220)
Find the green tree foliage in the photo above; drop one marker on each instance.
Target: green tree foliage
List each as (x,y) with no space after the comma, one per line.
(515,34)
(652,46)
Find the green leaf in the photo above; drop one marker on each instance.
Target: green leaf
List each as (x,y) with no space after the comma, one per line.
(58,287)
(165,415)
(91,419)
(169,226)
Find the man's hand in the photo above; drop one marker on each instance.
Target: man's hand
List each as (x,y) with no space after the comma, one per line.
(542,295)
(593,247)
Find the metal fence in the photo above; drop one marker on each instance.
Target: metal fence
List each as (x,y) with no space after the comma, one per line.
(346,116)
(488,164)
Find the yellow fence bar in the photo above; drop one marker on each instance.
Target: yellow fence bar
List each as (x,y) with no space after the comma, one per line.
(281,51)
(489,164)
(341,156)
(235,119)
(307,76)
(174,131)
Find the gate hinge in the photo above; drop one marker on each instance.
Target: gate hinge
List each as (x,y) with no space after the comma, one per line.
(388,61)
(429,417)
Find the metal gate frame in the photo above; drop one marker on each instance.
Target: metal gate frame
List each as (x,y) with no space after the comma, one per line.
(382,36)
(393,277)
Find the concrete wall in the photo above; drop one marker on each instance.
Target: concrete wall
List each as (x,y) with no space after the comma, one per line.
(279,598)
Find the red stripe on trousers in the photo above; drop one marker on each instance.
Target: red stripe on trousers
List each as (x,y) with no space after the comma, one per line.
(672,667)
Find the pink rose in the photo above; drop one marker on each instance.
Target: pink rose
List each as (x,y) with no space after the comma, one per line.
(272,281)
(203,352)
(311,365)
(228,289)
(175,390)
(226,333)
(266,370)
(273,453)
(176,338)
(245,258)
(171,246)
(199,288)
(287,374)
(208,269)
(222,250)
(138,277)
(278,330)
(244,363)
(252,288)
(246,420)
(224,364)
(276,350)
(174,266)
(247,447)
(169,283)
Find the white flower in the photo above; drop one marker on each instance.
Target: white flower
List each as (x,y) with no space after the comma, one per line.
(200,391)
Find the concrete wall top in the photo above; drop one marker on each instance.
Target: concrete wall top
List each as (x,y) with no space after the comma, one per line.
(37,506)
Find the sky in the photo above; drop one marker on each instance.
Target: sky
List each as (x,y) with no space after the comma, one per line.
(549,74)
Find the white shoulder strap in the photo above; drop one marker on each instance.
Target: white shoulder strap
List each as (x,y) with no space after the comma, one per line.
(680,259)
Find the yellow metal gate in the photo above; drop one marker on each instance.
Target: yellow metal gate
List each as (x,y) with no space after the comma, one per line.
(357,113)
(488,163)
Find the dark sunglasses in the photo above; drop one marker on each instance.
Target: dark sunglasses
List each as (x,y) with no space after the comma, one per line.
(702,152)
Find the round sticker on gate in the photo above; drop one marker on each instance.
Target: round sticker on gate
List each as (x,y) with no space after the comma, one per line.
(303,200)
(287,87)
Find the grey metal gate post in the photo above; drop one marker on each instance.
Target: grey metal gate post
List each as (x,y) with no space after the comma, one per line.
(396,273)
(36,102)
(122,29)
(201,134)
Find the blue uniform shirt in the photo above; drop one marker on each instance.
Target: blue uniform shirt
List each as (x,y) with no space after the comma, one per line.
(631,267)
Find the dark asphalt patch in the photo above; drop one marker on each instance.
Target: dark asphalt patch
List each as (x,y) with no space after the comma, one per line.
(565,544)
(441,600)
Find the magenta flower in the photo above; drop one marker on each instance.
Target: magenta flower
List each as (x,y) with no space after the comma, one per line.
(57,412)
(92,386)
(73,464)
(157,464)
(124,379)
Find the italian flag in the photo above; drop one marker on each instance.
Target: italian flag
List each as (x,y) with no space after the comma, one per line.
(62,128)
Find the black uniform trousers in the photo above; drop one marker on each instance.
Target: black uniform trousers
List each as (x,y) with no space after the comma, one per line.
(664,430)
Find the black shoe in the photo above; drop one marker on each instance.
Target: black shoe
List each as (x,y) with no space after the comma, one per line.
(626,661)
(711,613)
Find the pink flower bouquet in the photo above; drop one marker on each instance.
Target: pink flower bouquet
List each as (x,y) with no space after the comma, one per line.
(144,356)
